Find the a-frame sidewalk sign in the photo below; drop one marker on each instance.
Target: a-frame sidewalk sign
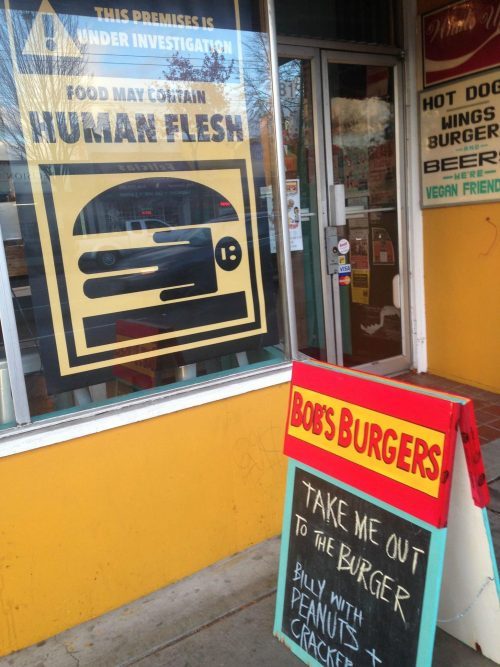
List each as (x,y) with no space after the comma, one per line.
(385,531)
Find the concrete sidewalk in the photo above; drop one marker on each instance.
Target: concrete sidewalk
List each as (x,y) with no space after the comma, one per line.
(222,616)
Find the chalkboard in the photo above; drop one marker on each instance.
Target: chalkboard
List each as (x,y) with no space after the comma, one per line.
(353,578)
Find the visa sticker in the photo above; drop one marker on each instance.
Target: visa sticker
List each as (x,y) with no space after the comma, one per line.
(345,269)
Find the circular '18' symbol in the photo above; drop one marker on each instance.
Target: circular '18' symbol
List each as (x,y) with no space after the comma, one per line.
(228,253)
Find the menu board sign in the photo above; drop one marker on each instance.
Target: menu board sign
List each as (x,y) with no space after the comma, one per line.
(354,578)
(368,520)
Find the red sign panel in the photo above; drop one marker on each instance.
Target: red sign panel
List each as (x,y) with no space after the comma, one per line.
(461,39)
(379,436)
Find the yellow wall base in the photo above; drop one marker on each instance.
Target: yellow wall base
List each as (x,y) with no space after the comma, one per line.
(88,525)
(462,288)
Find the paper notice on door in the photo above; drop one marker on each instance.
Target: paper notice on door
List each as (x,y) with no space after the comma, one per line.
(293,214)
(358,238)
(382,247)
(360,289)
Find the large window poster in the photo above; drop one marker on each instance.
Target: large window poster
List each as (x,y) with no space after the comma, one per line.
(141,223)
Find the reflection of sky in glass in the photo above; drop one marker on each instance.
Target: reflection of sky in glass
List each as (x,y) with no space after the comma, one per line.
(149,49)
(142,50)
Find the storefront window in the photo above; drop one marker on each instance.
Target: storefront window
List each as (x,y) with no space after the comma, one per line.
(137,160)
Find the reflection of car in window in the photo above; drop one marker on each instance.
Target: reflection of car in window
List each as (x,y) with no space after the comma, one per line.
(144,223)
(109,227)
(180,265)
(110,257)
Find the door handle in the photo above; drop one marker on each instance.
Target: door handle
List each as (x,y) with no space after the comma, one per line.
(396,291)
(337,205)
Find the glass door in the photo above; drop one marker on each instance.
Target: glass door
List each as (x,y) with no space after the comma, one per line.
(300,86)
(340,123)
(361,118)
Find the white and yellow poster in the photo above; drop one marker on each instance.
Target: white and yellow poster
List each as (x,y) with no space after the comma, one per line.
(137,144)
(460,138)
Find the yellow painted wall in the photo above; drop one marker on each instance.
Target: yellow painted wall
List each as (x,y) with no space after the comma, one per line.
(88,525)
(462,287)
(462,291)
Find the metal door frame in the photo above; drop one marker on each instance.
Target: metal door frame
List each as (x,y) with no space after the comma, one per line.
(390,365)
(313,55)
(319,59)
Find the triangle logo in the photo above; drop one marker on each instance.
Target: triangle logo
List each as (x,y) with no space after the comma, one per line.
(48,36)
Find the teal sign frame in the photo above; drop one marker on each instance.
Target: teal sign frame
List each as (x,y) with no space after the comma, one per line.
(432,585)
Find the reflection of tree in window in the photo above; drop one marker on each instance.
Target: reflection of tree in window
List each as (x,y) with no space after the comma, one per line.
(257,72)
(41,96)
(214,68)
